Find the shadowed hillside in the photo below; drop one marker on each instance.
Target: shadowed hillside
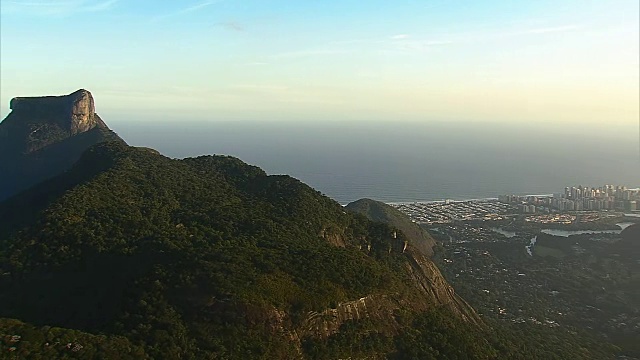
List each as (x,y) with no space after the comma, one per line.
(379,211)
(207,255)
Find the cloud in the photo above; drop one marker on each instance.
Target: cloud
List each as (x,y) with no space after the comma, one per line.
(101,6)
(260,88)
(392,44)
(405,43)
(232,25)
(309,53)
(421,45)
(55,8)
(198,6)
(554,29)
(410,44)
(275,93)
(188,9)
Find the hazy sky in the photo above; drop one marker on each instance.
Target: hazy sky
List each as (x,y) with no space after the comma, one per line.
(547,61)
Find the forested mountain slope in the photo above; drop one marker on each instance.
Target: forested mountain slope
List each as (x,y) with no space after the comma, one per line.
(209,257)
(130,254)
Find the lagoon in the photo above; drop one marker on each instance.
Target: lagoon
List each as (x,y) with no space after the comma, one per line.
(567,233)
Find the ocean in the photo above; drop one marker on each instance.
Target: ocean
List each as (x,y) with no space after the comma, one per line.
(406,162)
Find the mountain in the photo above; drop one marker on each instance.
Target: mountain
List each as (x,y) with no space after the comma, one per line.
(379,211)
(44,136)
(128,254)
(629,246)
(201,256)
(631,234)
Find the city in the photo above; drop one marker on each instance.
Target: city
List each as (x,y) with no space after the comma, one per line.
(578,198)
(575,205)
(551,261)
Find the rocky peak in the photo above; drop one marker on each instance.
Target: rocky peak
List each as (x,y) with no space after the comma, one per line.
(43,136)
(74,113)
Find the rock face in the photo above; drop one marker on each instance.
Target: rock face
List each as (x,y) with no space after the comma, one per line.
(44,136)
(38,122)
(433,290)
(78,108)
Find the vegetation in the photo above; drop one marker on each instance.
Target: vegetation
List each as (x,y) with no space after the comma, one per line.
(185,258)
(379,211)
(577,294)
(134,255)
(23,341)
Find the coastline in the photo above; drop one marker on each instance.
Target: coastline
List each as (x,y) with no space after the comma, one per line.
(458,200)
(455,200)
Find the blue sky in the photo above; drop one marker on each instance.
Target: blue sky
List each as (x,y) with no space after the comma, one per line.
(543,61)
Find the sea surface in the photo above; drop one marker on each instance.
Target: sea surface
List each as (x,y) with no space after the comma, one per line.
(406,162)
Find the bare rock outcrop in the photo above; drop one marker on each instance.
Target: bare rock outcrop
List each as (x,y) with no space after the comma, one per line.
(43,136)
(42,121)
(435,288)
(430,290)
(327,322)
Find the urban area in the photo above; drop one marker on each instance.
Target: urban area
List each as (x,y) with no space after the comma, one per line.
(550,260)
(574,204)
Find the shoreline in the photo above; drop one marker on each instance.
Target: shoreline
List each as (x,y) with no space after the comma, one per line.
(486,199)
(435,201)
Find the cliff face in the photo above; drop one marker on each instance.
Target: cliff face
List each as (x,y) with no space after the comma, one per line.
(415,244)
(435,289)
(431,290)
(37,122)
(380,308)
(75,111)
(44,136)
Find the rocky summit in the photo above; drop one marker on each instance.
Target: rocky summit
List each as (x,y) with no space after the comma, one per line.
(44,136)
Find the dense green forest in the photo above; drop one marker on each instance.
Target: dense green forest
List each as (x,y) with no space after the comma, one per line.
(134,255)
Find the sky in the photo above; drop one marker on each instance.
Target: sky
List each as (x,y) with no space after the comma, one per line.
(543,62)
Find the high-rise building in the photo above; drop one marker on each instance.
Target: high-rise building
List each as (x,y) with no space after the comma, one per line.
(579,205)
(570,205)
